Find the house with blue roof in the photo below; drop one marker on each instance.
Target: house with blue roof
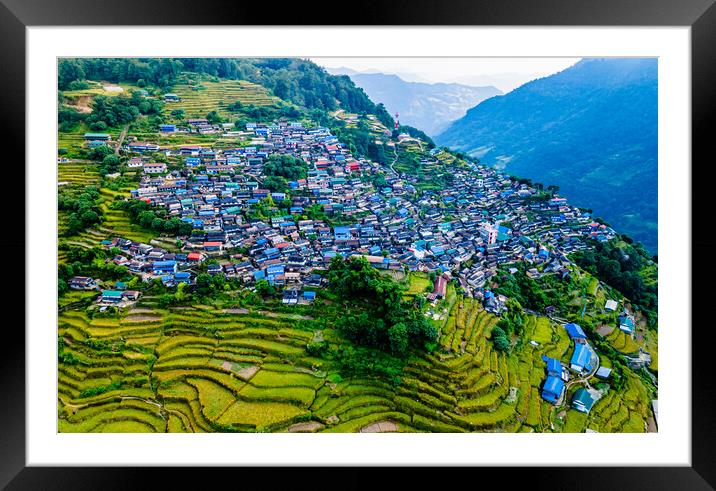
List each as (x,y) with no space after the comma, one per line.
(111,296)
(583,358)
(168,280)
(554,367)
(163,267)
(342,233)
(575,331)
(552,389)
(182,277)
(275,269)
(582,400)
(626,324)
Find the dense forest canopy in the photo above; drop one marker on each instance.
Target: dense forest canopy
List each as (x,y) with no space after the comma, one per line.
(626,267)
(299,81)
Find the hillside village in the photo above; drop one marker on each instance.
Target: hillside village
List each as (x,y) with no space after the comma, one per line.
(447,227)
(457,229)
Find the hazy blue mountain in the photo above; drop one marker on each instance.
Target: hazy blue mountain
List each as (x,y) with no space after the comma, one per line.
(590,129)
(430,107)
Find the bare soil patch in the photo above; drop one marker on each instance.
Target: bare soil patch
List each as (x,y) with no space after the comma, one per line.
(141,311)
(305,427)
(234,311)
(81,103)
(380,427)
(243,373)
(605,330)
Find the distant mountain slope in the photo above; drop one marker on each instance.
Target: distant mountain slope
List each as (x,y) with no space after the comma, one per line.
(430,107)
(590,129)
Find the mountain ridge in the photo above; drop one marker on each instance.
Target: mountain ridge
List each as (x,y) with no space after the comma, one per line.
(428,106)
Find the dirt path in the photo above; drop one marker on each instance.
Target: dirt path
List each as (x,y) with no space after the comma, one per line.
(281,315)
(395,151)
(122,135)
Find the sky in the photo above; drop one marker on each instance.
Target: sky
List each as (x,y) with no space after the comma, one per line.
(504,73)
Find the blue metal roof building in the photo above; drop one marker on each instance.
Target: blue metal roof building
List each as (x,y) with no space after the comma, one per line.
(164,266)
(575,331)
(582,400)
(582,358)
(626,324)
(554,367)
(552,389)
(342,233)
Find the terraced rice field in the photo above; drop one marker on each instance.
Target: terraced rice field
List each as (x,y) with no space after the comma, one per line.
(117,222)
(622,341)
(80,173)
(202,369)
(199,99)
(74,141)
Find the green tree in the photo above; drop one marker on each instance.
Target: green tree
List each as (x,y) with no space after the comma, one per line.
(398,337)
(265,289)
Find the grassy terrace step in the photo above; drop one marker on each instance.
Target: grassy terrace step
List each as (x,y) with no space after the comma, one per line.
(418,386)
(267,378)
(183,411)
(265,346)
(355,425)
(302,396)
(169,377)
(95,419)
(482,420)
(215,96)
(264,415)
(350,404)
(214,398)
(426,424)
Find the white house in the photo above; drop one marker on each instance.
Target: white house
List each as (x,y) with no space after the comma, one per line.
(155,168)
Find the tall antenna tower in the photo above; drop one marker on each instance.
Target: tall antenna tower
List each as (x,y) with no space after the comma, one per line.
(397,122)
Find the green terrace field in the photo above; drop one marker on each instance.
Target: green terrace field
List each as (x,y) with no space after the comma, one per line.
(74,141)
(83,173)
(203,368)
(199,98)
(117,222)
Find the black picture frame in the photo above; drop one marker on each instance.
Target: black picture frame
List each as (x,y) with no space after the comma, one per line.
(700,15)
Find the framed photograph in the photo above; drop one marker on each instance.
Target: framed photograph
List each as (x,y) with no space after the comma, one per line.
(446,239)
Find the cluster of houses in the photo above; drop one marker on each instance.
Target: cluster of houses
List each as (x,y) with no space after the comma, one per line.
(583,363)
(482,222)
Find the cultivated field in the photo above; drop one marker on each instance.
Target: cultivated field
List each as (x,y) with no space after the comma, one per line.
(199,98)
(197,369)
